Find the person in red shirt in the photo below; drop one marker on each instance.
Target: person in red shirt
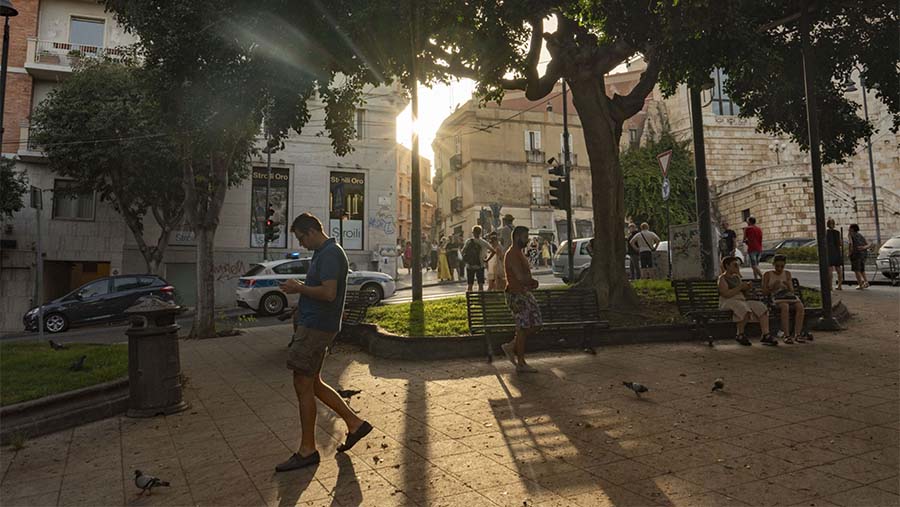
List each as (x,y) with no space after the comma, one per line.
(753,239)
(525,310)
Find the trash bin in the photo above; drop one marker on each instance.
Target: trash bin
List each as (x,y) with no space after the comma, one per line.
(154,364)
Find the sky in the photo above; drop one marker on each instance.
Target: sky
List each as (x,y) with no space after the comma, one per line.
(435,104)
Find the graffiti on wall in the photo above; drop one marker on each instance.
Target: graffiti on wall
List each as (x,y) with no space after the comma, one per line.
(384,221)
(229,270)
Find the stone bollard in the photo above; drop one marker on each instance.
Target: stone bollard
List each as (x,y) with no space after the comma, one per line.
(154,364)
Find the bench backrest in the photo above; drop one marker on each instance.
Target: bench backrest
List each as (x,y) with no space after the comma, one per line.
(356,305)
(703,295)
(557,306)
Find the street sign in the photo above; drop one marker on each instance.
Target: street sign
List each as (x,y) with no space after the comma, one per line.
(665,189)
(664,158)
(37,198)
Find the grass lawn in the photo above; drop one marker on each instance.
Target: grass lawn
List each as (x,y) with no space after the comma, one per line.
(30,370)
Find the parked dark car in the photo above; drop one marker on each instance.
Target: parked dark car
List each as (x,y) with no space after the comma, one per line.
(770,248)
(99,301)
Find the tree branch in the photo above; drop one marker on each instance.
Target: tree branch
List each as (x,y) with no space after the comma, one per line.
(629,105)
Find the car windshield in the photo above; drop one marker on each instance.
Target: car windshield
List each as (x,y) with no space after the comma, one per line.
(255,270)
(892,243)
(772,243)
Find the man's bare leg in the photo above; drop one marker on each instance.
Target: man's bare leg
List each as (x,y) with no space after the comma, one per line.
(798,321)
(327,395)
(306,395)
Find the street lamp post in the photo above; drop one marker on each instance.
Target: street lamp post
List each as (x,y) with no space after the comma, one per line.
(851,88)
(7,11)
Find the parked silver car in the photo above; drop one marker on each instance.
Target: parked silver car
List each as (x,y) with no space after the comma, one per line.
(888,260)
(582,260)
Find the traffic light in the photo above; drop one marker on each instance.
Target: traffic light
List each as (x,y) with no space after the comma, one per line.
(271,225)
(559,189)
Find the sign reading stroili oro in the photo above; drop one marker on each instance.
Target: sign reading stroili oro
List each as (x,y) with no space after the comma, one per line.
(347,208)
(278,198)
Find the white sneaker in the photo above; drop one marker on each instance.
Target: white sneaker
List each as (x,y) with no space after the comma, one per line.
(779,334)
(507,349)
(525,368)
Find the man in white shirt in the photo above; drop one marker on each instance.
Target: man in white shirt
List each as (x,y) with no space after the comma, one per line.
(645,242)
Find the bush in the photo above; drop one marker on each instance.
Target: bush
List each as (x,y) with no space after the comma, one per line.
(803,254)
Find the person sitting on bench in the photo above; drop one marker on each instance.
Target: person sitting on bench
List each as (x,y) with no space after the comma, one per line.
(778,284)
(732,297)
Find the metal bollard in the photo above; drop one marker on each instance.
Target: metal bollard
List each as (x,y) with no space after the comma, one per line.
(154,364)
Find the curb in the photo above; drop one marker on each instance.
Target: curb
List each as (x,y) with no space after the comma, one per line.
(462,282)
(65,410)
(384,345)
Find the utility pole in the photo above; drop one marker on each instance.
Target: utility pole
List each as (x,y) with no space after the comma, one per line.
(567,157)
(826,322)
(702,188)
(416,181)
(268,189)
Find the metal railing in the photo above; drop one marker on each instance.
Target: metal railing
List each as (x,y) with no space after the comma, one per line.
(456,205)
(67,54)
(534,156)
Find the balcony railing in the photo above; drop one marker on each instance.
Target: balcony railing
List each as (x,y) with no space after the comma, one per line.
(27,147)
(534,156)
(61,56)
(573,158)
(539,200)
(456,205)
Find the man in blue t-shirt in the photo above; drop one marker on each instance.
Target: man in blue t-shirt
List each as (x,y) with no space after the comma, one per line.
(318,320)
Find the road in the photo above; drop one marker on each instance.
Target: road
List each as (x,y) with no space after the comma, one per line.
(807,275)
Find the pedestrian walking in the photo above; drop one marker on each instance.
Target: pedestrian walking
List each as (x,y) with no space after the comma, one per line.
(434,255)
(444,273)
(753,238)
(727,241)
(858,251)
(460,265)
(474,252)
(505,233)
(835,254)
(407,257)
(318,320)
(545,253)
(634,260)
(778,285)
(525,310)
(645,242)
(732,296)
(452,251)
(496,271)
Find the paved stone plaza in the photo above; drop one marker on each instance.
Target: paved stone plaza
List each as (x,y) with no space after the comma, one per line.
(812,424)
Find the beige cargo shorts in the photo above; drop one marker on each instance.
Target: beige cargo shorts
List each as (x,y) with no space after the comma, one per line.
(307,352)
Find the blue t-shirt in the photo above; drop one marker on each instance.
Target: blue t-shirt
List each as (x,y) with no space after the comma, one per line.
(329,262)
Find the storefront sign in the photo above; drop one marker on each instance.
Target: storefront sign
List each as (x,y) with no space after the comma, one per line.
(347,209)
(278,199)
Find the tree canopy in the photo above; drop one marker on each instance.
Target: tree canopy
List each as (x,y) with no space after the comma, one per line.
(13,185)
(102,127)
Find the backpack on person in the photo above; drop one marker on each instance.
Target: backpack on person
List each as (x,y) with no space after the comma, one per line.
(471,253)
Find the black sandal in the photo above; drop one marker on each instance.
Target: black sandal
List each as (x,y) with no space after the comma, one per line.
(356,436)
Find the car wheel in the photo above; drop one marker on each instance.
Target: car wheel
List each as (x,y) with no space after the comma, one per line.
(272,303)
(56,323)
(889,275)
(374,287)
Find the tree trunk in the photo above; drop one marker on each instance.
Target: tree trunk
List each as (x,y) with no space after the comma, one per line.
(601,133)
(204,325)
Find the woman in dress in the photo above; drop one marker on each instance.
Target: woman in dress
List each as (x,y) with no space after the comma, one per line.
(496,272)
(732,297)
(835,255)
(545,253)
(443,266)
(778,284)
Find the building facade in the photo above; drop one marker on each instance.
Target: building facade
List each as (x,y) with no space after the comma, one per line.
(770,178)
(498,157)
(83,238)
(404,196)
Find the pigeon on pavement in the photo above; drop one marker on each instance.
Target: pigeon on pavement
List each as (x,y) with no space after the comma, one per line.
(146,482)
(57,346)
(348,393)
(79,364)
(636,387)
(718,385)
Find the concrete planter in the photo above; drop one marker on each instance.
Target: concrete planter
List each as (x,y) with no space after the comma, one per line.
(379,343)
(63,411)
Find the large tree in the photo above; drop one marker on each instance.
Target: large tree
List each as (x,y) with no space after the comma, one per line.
(13,185)
(220,67)
(102,128)
(499,44)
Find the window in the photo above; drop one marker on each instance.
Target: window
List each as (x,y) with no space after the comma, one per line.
(721,102)
(126,283)
(632,137)
(87,32)
(152,282)
(458,144)
(290,268)
(459,188)
(71,206)
(532,140)
(360,123)
(255,270)
(537,190)
(745,214)
(98,288)
(562,145)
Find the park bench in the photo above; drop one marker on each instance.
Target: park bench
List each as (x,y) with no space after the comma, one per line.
(356,306)
(698,300)
(561,309)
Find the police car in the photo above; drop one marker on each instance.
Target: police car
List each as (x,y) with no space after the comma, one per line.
(258,288)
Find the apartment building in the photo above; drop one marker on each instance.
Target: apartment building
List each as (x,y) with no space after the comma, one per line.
(404,196)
